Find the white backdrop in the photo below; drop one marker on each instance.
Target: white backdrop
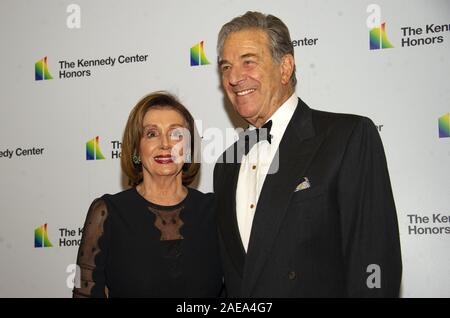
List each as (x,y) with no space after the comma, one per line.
(404,90)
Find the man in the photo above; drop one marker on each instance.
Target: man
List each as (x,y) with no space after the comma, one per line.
(319,220)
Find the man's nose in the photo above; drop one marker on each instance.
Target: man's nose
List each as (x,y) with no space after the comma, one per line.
(236,76)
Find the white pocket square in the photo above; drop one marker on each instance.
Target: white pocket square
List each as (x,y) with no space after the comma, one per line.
(305,184)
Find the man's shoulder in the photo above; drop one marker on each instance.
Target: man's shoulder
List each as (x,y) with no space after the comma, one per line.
(329,121)
(338,118)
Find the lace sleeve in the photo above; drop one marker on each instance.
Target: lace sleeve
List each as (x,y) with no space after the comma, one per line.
(91,259)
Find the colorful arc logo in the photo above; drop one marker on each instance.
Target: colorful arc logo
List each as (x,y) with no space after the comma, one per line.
(41,70)
(198,55)
(377,30)
(378,38)
(41,237)
(93,150)
(444,126)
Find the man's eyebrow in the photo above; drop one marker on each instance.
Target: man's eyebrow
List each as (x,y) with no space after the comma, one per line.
(221,62)
(248,55)
(243,56)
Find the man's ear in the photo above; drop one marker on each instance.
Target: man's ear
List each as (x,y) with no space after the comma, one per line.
(287,67)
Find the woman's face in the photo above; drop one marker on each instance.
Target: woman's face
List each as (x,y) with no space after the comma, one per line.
(161,148)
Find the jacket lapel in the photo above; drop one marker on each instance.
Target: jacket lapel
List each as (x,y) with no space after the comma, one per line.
(296,150)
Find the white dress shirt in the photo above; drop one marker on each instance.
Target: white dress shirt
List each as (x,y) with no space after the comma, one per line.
(255,166)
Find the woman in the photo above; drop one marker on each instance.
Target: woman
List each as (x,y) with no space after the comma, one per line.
(157,239)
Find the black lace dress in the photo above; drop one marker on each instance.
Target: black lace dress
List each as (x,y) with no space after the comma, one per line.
(133,248)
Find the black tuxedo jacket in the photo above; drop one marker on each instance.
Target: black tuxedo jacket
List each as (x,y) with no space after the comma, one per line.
(337,238)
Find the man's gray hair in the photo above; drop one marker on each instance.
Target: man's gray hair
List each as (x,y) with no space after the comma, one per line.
(277,32)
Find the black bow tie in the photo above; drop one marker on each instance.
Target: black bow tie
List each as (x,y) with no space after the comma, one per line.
(251,137)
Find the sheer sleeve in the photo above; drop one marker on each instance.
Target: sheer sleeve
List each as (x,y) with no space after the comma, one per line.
(92,253)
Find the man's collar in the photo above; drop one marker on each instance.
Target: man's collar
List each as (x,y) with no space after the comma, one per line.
(282,116)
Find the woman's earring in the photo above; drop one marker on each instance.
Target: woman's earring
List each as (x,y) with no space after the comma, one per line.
(136,159)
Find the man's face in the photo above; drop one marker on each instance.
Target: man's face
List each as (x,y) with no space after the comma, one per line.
(254,84)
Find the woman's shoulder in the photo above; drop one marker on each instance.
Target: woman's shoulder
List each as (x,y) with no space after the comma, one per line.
(201,196)
(200,199)
(116,200)
(201,208)
(119,196)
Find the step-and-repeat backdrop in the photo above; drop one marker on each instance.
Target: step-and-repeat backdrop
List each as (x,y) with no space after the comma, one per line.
(72,71)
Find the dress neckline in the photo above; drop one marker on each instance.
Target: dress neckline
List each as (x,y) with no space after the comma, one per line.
(163,207)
